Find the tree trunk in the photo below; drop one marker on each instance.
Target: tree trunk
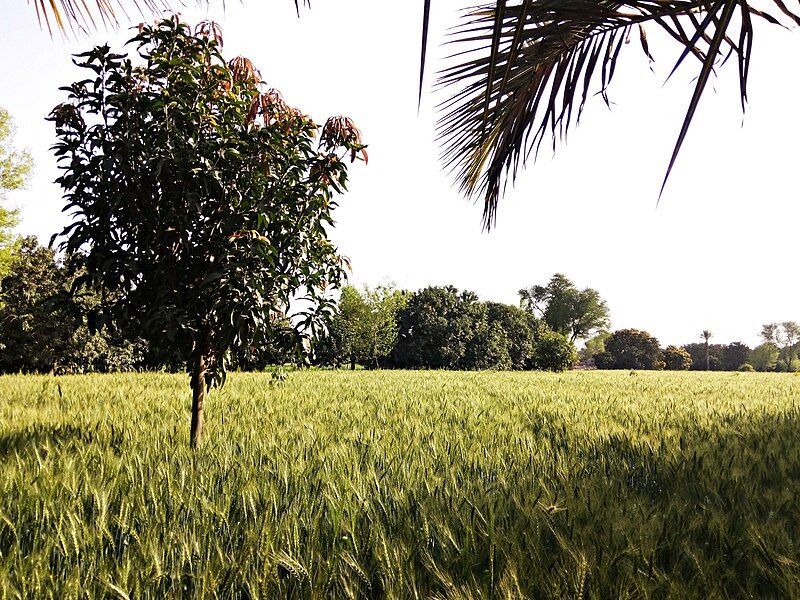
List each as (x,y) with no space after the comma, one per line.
(198,395)
(708,358)
(352,362)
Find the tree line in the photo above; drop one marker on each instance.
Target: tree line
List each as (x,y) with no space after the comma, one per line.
(43,328)
(439,327)
(634,349)
(444,328)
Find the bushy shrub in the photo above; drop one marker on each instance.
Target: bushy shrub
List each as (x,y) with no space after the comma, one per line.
(746,368)
(554,352)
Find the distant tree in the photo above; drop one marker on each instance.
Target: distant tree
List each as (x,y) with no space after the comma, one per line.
(786,337)
(594,345)
(566,309)
(792,367)
(435,328)
(349,325)
(630,349)
(677,359)
(442,328)
(707,335)
(488,348)
(521,328)
(199,200)
(554,352)
(384,303)
(364,327)
(764,357)
(735,355)
(15,167)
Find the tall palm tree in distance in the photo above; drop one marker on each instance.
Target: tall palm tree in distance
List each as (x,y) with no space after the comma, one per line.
(523,70)
(707,335)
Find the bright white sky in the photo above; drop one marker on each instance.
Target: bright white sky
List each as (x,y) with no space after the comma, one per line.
(720,252)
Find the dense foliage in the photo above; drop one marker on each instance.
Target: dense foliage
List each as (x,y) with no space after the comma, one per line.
(521,331)
(41,326)
(677,359)
(764,357)
(734,355)
(442,328)
(436,327)
(554,352)
(698,353)
(403,485)
(363,328)
(200,201)
(630,349)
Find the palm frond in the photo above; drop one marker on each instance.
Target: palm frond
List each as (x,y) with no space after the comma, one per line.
(86,15)
(525,69)
(426,17)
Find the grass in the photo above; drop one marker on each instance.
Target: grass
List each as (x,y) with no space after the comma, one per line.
(402,485)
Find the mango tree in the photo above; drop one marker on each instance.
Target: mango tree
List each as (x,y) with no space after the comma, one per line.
(199,198)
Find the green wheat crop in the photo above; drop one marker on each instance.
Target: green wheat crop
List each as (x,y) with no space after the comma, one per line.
(402,485)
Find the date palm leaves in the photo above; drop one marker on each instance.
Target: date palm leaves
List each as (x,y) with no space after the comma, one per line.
(524,70)
(61,15)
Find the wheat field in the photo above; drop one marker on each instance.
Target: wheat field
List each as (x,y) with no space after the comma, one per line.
(402,485)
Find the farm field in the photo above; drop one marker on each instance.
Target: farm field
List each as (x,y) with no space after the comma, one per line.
(402,485)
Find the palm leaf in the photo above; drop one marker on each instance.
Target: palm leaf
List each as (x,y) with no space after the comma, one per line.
(84,15)
(426,16)
(525,69)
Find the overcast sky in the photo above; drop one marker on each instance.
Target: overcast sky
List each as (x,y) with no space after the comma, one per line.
(719,252)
